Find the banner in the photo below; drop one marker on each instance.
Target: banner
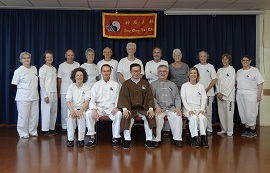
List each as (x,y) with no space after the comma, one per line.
(129,26)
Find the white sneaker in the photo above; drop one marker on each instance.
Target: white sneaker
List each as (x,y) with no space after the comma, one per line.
(221,132)
(229,134)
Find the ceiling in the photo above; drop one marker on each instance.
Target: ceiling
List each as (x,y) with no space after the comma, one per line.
(138,4)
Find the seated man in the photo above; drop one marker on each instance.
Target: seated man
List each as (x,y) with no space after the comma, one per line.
(167,102)
(104,97)
(136,99)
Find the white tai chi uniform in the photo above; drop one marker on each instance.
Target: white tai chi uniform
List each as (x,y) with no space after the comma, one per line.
(194,99)
(48,88)
(92,72)
(207,74)
(104,97)
(76,96)
(124,67)
(26,98)
(64,72)
(226,86)
(114,65)
(247,92)
(151,69)
(167,98)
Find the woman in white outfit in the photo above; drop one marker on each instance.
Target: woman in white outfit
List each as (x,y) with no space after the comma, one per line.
(26,80)
(249,94)
(77,99)
(225,87)
(48,94)
(194,100)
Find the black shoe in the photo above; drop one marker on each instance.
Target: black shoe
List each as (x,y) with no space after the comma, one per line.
(70,143)
(126,144)
(115,142)
(64,131)
(179,144)
(53,132)
(194,142)
(80,143)
(149,144)
(47,133)
(90,143)
(156,144)
(204,142)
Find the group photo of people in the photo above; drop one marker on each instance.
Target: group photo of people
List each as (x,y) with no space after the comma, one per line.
(167,97)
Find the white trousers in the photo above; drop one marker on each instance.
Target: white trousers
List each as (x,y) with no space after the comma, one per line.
(197,122)
(209,112)
(248,107)
(91,121)
(71,126)
(48,112)
(64,111)
(226,112)
(28,114)
(148,131)
(175,122)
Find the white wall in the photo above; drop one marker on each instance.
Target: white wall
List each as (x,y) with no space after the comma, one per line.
(263,63)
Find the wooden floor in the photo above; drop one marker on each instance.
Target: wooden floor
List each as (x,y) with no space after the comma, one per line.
(50,155)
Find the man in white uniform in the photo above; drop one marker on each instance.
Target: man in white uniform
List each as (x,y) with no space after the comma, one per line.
(104,98)
(48,93)
(208,79)
(64,72)
(167,102)
(151,66)
(123,70)
(26,80)
(107,53)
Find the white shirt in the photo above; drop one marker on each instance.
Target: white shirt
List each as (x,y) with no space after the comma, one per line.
(92,72)
(114,65)
(64,72)
(226,83)
(26,80)
(124,67)
(193,96)
(151,69)
(248,80)
(77,96)
(207,74)
(48,80)
(104,95)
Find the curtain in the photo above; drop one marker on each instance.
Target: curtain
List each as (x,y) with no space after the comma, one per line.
(58,30)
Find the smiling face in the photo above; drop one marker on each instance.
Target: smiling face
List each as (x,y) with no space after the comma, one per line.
(106,72)
(26,60)
(90,56)
(69,56)
(225,61)
(157,54)
(177,57)
(163,73)
(48,59)
(136,72)
(79,77)
(193,75)
(246,62)
(131,50)
(107,53)
(203,56)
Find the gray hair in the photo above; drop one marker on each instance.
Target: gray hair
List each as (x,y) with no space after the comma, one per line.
(89,50)
(131,44)
(24,53)
(176,51)
(161,66)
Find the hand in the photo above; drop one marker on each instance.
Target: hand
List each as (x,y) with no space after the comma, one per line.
(151,114)
(259,98)
(114,111)
(46,99)
(206,90)
(220,96)
(95,114)
(159,111)
(126,114)
(202,112)
(80,114)
(178,111)
(72,113)
(190,113)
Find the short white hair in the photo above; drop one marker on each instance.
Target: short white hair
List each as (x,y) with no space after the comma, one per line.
(24,53)
(176,51)
(131,44)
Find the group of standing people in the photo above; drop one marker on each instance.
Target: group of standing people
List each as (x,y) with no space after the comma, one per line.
(118,90)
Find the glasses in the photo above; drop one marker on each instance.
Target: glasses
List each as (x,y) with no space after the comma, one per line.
(163,71)
(136,71)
